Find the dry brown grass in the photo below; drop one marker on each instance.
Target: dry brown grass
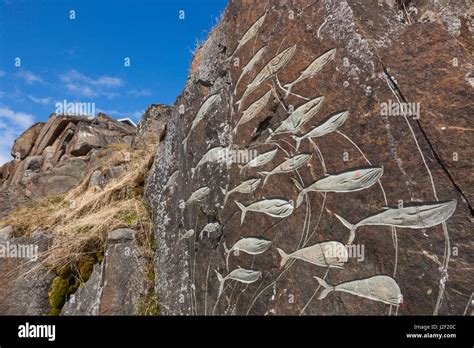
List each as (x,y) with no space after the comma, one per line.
(80,229)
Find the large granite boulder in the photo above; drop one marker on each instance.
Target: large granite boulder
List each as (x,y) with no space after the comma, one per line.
(386,92)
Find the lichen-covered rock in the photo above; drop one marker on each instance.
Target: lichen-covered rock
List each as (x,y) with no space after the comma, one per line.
(369,101)
(117,285)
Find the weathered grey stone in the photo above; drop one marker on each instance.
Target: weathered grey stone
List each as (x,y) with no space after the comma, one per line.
(117,285)
(152,126)
(5,232)
(23,292)
(96,179)
(120,235)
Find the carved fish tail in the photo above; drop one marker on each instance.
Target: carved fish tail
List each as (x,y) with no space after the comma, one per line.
(221,283)
(288,88)
(300,197)
(244,211)
(227,254)
(327,288)
(225,193)
(298,141)
(284,257)
(266,175)
(348,225)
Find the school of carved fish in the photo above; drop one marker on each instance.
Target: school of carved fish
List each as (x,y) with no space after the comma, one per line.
(272,67)
(329,254)
(298,118)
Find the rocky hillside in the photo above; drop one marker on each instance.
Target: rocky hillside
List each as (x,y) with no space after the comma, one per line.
(75,232)
(353,119)
(317,162)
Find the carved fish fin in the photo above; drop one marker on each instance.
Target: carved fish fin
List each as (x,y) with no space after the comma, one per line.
(221,283)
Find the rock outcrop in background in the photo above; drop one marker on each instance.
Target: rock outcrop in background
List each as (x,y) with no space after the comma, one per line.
(52,157)
(312,91)
(65,171)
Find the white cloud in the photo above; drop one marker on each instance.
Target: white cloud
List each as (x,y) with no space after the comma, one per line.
(42,101)
(12,124)
(80,84)
(19,119)
(29,77)
(139,93)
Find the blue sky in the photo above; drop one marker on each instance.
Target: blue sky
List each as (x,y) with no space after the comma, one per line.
(82,59)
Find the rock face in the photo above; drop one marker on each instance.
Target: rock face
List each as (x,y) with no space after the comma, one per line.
(115,286)
(21,292)
(52,157)
(386,92)
(152,124)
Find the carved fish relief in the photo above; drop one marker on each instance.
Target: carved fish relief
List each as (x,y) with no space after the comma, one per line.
(272,67)
(331,125)
(325,254)
(201,113)
(247,186)
(251,32)
(213,155)
(350,181)
(260,160)
(253,110)
(313,68)
(247,68)
(197,196)
(250,245)
(414,217)
(278,208)
(289,165)
(379,288)
(242,275)
(299,117)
